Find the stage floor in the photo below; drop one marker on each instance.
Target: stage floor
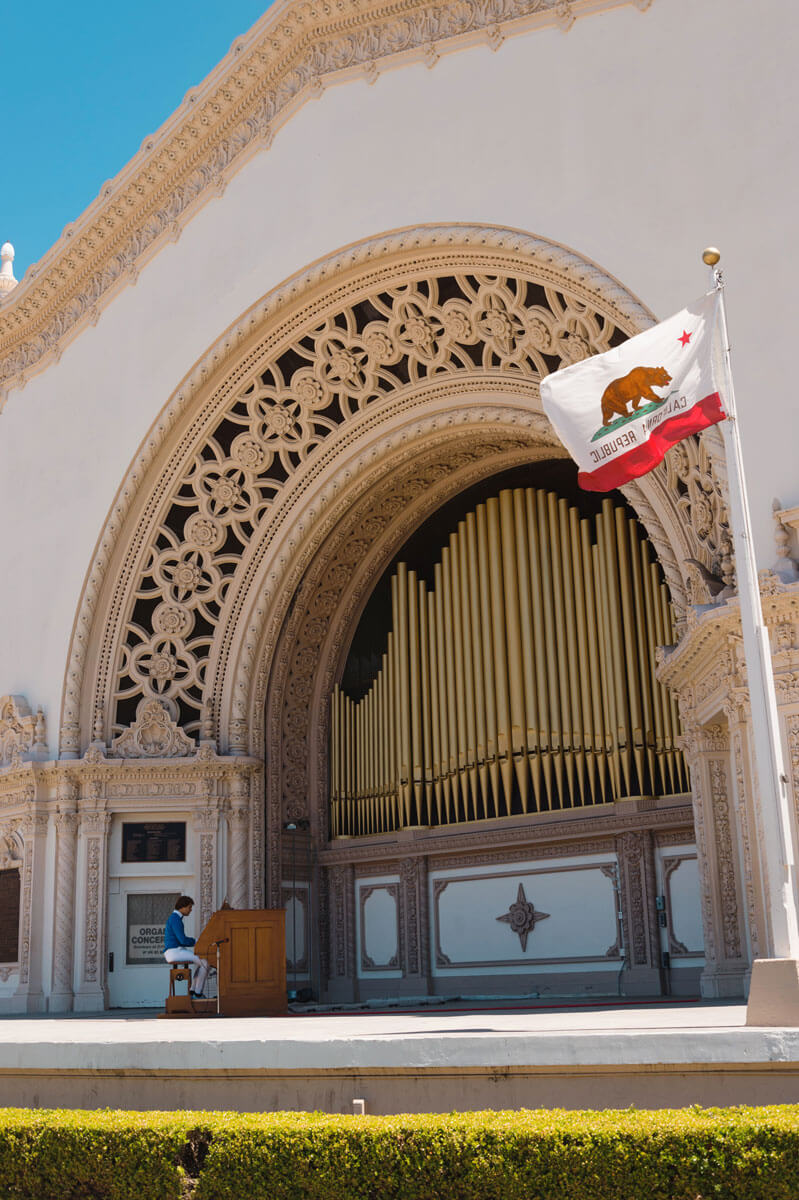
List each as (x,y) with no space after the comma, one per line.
(404,1060)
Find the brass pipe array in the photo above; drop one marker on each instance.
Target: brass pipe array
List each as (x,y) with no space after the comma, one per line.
(521,681)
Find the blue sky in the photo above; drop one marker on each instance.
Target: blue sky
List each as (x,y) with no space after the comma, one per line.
(81,86)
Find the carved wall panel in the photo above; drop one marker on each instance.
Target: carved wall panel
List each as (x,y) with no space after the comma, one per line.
(379,927)
(525,918)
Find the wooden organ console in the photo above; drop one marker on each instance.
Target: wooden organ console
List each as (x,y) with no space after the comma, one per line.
(248,948)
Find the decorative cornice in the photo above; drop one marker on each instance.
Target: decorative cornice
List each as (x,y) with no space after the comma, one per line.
(290,55)
(59,779)
(711,634)
(524,837)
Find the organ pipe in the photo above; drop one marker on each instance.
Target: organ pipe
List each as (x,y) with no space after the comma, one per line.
(519,677)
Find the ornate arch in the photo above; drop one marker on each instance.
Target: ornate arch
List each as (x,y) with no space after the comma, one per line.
(418,341)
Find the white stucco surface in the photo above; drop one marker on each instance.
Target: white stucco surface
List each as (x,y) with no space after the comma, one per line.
(636,139)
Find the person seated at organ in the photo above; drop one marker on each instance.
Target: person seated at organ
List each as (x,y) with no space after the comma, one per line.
(177,945)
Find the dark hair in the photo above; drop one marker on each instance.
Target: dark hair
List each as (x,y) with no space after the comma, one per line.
(183,901)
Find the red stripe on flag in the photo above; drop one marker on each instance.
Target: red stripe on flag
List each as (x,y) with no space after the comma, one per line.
(643,458)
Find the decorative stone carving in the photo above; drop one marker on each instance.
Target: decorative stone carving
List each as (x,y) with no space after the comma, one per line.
(238,819)
(747,844)
(206,822)
(153,734)
(23,735)
(94,826)
(689,472)
(631,848)
(785,567)
(342,931)
(522,916)
(10,852)
(32,828)
(724,858)
(279,415)
(66,823)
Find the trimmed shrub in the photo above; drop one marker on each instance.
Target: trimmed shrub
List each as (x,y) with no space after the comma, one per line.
(694,1154)
(48,1154)
(683,1154)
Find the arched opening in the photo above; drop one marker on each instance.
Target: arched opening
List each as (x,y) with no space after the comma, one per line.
(382,395)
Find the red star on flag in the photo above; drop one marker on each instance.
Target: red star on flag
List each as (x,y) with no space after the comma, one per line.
(685,339)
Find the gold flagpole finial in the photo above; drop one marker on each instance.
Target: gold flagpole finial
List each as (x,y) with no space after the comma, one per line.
(711,256)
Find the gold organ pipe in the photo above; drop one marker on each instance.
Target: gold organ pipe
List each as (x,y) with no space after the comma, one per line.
(651,637)
(540,644)
(357,743)
(424,683)
(451,676)
(334,749)
(379,742)
(666,764)
(599,711)
(606,658)
(560,644)
(527,643)
(460,681)
(348,766)
(629,643)
(499,653)
(374,756)
(611,593)
(399,702)
(644,661)
(468,667)
(570,613)
(550,637)
(415,685)
(391,696)
(369,809)
(385,750)
(435,708)
(444,671)
(529,665)
(675,712)
(492,737)
(478,658)
(406,761)
(581,652)
(513,651)
(664,639)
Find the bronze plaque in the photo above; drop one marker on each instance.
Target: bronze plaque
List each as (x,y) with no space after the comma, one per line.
(153,841)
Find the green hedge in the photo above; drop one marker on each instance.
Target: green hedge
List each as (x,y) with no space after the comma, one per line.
(690,1154)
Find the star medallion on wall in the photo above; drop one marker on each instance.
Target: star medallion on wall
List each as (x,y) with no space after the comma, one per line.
(522,917)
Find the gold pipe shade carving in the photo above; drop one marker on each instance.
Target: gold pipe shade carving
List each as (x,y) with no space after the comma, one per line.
(522,681)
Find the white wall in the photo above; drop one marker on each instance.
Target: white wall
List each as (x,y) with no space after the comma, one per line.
(636,138)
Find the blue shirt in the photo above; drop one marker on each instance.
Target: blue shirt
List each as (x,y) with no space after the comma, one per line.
(174,934)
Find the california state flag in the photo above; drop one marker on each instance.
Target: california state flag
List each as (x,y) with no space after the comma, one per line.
(618,413)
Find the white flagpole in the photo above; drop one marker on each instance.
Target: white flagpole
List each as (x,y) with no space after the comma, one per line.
(776,848)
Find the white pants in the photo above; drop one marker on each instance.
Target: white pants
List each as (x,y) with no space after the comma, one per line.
(183,954)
